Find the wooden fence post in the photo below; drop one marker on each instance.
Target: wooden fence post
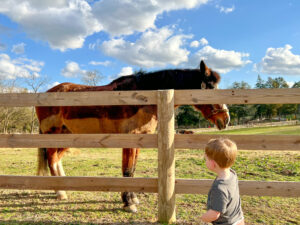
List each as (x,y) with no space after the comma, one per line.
(166,159)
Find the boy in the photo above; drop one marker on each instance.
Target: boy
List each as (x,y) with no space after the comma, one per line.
(223,202)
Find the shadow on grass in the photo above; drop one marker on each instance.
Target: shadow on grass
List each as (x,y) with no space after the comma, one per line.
(114,210)
(58,203)
(36,195)
(15,222)
(45,196)
(61,223)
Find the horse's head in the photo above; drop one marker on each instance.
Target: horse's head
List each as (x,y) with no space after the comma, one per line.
(217,113)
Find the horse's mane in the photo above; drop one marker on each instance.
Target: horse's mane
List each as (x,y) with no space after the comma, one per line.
(159,80)
(165,79)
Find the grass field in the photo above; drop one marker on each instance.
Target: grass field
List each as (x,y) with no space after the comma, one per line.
(41,207)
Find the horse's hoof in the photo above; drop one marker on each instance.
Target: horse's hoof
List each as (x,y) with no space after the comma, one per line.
(135,201)
(61,195)
(131,208)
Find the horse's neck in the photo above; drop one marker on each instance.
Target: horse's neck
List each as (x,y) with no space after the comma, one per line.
(165,79)
(108,87)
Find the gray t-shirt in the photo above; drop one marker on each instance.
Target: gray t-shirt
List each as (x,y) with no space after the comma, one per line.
(224,197)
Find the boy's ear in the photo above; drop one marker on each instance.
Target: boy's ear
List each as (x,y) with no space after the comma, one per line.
(214,163)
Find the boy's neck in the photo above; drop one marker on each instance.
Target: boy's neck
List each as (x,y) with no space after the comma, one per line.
(223,173)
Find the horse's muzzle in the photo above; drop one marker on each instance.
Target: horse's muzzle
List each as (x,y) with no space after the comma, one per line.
(222,124)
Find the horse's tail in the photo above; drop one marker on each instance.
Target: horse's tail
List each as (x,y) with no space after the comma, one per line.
(42,169)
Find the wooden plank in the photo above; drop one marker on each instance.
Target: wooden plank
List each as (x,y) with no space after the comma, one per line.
(244,142)
(78,140)
(79,98)
(166,157)
(182,141)
(106,184)
(238,96)
(182,97)
(111,184)
(252,188)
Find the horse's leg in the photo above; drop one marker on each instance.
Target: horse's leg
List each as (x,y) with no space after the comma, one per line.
(54,156)
(129,160)
(61,172)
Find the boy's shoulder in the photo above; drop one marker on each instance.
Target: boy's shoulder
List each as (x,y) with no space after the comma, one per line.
(223,185)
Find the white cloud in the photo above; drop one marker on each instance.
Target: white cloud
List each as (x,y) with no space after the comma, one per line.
(52,85)
(290,83)
(72,69)
(105,63)
(220,60)
(126,71)
(63,24)
(19,67)
(226,10)
(155,48)
(18,48)
(195,44)
(203,41)
(279,61)
(95,46)
(125,17)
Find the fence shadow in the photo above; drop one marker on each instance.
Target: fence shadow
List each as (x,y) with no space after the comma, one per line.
(16,222)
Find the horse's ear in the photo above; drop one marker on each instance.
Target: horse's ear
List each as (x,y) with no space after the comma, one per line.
(204,69)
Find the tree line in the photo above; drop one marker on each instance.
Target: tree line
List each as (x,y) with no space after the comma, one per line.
(24,120)
(244,113)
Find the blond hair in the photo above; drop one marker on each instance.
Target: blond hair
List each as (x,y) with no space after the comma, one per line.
(222,151)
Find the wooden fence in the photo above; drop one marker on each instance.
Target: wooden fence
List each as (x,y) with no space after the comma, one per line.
(165,140)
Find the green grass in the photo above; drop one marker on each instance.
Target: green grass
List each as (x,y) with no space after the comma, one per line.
(278,130)
(41,207)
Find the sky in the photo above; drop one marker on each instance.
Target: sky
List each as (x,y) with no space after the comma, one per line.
(64,39)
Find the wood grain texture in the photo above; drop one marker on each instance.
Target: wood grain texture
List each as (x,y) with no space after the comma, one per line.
(166,157)
(150,185)
(79,98)
(182,141)
(238,96)
(244,142)
(106,184)
(182,97)
(252,188)
(78,140)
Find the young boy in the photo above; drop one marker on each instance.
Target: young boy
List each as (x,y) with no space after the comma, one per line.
(223,202)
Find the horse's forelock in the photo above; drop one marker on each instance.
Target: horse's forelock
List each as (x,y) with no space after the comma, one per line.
(215,77)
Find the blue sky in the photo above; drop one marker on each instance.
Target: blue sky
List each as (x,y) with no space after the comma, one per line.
(63,39)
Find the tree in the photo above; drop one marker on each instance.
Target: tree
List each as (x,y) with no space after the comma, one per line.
(278,82)
(35,82)
(241,85)
(187,116)
(272,110)
(13,118)
(239,111)
(91,78)
(260,83)
(296,85)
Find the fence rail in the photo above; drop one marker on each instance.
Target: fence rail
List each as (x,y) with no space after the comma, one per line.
(150,185)
(181,97)
(166,185)
(182,141)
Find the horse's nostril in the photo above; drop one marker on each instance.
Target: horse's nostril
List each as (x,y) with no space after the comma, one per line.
(220,124)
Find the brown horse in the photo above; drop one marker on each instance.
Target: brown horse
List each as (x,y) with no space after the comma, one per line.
(121,119)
